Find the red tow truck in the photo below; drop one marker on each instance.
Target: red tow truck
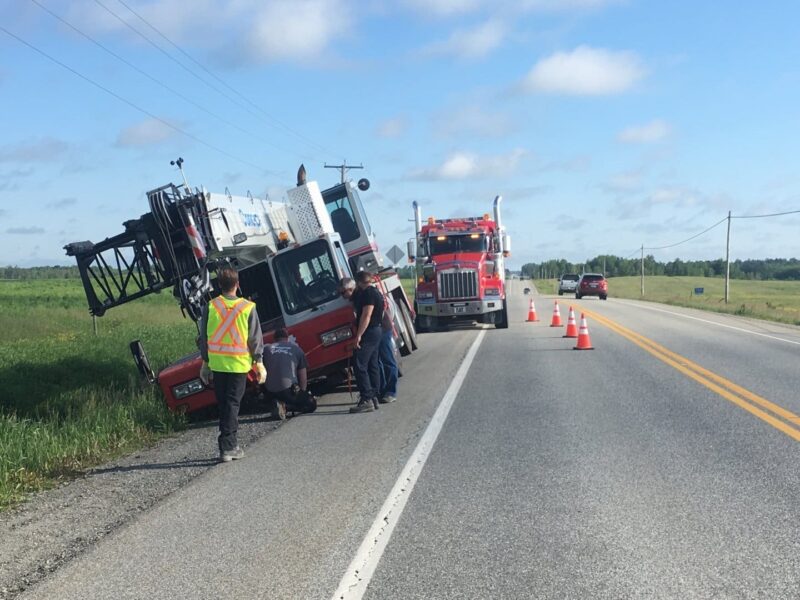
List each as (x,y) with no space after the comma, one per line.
(460,269)
(290,257)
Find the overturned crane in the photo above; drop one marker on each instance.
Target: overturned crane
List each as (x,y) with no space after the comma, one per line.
(290,257)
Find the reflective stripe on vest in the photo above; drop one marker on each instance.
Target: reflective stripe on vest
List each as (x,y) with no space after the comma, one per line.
(227,335)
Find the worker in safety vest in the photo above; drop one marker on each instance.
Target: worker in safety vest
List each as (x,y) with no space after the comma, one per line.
(231,344)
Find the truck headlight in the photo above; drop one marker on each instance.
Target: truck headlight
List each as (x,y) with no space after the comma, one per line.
(337,335)
(187,389)
(491,291)
(425,295)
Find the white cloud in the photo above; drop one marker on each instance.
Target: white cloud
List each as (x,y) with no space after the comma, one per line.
(472,121)
(149,131)
(651,132)
(296,29)
(471,43)
(467,165)
(255,31)
(45,149)
(585,72)
(444,8)
(393,127)
(454,8)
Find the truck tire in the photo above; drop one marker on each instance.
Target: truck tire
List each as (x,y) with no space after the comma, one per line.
(503,322)
(400,325)
(409,322)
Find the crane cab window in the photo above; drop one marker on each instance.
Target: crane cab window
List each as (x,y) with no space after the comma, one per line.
(343,213)
(306,277)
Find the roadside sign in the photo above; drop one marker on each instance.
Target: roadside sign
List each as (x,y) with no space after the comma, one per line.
(698,291)
(395,254)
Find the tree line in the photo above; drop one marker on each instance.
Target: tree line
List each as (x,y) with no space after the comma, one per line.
(615,266)
(56,272)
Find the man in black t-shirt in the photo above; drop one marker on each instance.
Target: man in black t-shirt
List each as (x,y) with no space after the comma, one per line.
(368,303)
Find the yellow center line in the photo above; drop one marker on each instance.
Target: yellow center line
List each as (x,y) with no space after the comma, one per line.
(727,389)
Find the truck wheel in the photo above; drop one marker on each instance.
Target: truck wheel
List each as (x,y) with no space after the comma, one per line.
(560,292)
(503,322)
(409,323)
(400,327)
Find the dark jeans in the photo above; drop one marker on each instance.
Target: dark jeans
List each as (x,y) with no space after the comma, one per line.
(388,365)
(367,364)
(229,389)
(295,400)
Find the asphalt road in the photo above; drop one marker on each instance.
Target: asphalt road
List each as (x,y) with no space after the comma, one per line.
(622,472)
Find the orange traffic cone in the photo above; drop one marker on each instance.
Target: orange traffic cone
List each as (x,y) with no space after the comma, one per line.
(572,326)
(584,342)
(556,322)
(532,313)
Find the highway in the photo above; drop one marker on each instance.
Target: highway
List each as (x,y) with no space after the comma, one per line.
(662,464)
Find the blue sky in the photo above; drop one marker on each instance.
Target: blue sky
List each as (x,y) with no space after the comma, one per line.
(605,124)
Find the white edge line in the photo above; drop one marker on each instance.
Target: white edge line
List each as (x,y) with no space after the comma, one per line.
(677,314)
(358,575)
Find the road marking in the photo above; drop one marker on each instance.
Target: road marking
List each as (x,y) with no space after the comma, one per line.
(358,575)
(727,389)
(677,314)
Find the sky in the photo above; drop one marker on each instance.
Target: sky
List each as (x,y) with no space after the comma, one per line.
(604,124)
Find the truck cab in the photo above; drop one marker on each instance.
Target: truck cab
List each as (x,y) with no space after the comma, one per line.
(460,270)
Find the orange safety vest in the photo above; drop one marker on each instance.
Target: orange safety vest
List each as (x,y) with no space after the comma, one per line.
(227,335)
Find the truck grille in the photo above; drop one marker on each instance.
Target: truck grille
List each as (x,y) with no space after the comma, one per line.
(458,284)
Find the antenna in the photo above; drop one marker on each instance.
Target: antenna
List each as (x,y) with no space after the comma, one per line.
(179,164)
(344,168)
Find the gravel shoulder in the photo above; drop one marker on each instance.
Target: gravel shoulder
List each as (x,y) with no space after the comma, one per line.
(54,526)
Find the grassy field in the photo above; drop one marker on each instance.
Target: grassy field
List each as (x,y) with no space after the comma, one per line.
(770,300)
(68,398)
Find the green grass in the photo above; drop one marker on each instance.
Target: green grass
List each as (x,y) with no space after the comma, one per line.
(770,300)
(68,398)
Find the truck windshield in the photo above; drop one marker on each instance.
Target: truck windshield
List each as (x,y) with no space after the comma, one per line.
(306,277)
(450,244)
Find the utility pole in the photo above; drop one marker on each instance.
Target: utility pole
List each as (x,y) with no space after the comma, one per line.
(728,261)
(344,168)
(642,275)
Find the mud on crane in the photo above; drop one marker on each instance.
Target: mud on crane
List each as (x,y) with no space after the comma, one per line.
(290,257)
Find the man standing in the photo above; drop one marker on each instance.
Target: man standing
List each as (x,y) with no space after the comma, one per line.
(231,344)
(368,303)
(386,350)
(287,367)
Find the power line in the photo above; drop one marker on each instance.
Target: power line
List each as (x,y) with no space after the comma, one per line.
(790,212)
(223,82)
(720,222)
(179,63)
(129,103)
(154,79)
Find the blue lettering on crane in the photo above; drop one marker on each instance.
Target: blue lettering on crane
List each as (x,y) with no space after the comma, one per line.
(250,219)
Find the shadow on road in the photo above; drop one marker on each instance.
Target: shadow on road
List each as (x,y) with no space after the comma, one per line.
(195,462)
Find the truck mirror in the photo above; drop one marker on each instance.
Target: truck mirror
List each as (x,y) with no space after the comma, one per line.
(411,250)
(363,184)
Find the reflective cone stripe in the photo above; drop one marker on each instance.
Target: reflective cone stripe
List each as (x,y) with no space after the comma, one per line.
(556,322)
(572,325)
(532,312)
(584,342)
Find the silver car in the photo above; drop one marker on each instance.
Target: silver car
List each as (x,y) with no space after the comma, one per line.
(567,283)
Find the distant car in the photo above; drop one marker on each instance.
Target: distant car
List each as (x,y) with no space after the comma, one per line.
(526,291)
(567,283)
(592,284)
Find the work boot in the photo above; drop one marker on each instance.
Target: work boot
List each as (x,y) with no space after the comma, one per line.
(388,399)
(279,410)
(363,406)
(229,455)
